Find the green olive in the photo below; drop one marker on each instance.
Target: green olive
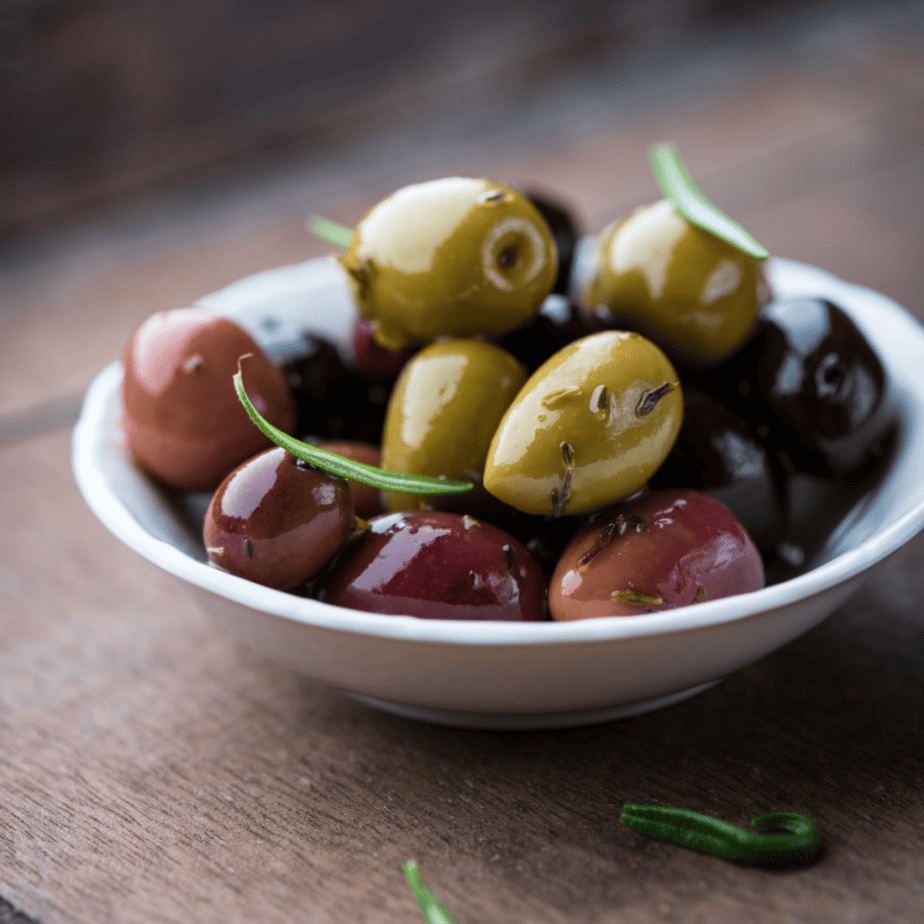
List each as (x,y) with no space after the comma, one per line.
(590,427)
(453,257)
(444,410)
(694,294)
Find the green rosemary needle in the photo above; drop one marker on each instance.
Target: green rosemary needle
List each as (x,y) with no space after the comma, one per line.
(798,842)
(430,906)
(679,189)
(399,482)
(330,231)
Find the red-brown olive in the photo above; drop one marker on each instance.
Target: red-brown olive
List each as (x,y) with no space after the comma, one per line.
(373,362)
(437,565)
(182,418)
(277,521)
(368,500)
(718,453)
(662,550)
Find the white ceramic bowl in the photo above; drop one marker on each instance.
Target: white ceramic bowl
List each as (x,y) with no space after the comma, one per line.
(502,675)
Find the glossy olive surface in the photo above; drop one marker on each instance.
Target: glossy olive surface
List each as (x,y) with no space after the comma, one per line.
(718,453)
(437,565)
(661,550)
(695,295)
(373,362)
(368,500)
(589,427)
(564,232)
(444,410)
(182,417)
(813,383)
(450,257)
(276,520)
(554,326)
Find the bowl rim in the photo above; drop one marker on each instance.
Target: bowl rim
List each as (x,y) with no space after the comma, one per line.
(93,437)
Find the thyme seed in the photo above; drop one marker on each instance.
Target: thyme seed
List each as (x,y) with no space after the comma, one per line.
(636,598)
(508,552)
(649,400)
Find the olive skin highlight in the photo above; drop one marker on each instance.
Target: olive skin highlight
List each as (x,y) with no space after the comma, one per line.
(454,257)
(588,428)
(697,296)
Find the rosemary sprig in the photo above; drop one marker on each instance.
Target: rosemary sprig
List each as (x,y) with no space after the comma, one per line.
(798,842)
(679,189)
(430,906)
(330,231)
(398,482)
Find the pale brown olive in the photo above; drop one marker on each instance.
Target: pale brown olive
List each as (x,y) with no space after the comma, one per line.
(451,257)
(276,520)
(182,417)
(659,551)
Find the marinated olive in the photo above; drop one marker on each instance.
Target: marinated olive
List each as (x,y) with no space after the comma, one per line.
(276,520)
(333,401)
(373,362)
(661,550)
(556,324)
(368,500)
(718,453)
(695,295)
(437,565)
(588,428)
(182,419)
(813,383)
(444,410)
(451,257)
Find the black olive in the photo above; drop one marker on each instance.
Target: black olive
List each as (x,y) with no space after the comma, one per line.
(718,453)
(556,324)
(813,383)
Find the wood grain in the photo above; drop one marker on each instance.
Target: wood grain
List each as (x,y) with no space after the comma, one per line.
(153,769)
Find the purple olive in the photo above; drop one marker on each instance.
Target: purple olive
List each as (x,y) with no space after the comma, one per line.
(276,520)
(437,565)
(718,453)
(373,362)
(662,550)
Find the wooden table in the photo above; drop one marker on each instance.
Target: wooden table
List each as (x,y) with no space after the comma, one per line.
(152,769)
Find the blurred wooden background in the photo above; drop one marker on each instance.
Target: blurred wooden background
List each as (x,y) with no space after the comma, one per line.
(108,100)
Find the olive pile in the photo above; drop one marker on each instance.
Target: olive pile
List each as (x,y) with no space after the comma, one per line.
(613,469)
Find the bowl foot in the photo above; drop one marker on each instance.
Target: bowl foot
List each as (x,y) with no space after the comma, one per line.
(528,721)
